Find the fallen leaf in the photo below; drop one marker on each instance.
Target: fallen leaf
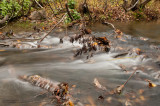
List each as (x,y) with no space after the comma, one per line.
(137,51)
(141,91)
(100,97)
(2,50)
(98,85)
(117,31)
(109,99)
(70,103)
(18,41)
(142,98)
(95,44)
(73,86)
(150,84)
(127,103)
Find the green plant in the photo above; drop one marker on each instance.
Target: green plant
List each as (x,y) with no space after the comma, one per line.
(9,7)
(74,13)
(71,4)
(13,8)
(26,4)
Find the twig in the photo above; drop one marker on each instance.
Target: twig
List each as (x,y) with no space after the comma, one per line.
(53,28)
(120,88)
(107,23)
(38,3)
(129,77)
(133,6)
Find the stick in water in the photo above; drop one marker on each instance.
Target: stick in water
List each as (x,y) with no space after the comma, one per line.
(53,28)
(120,88)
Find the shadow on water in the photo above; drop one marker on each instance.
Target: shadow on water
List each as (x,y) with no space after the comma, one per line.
(58,64)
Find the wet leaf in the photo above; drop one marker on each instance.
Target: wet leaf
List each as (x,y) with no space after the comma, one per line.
(140,91)
(100,97)
(137,51)
(73,86)
(70,103)
(2,50)
(119,32)
(127,103)
(142,98)
(94,44)
(18,41)
(109,99)
(150,84)
(98,85)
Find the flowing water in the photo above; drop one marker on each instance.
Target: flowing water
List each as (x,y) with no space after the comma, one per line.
(55,61)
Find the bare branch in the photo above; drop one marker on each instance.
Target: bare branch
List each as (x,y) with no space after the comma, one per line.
(133,5)
(38,3)
(53,28)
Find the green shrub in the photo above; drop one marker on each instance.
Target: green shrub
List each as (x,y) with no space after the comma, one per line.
(9,7)
(71,4)
(26,5)
(74,13)
(13,8)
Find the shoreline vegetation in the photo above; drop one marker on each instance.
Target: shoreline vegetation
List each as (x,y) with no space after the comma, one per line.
(46,13)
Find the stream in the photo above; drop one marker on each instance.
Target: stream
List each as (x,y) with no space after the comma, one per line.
(55,61)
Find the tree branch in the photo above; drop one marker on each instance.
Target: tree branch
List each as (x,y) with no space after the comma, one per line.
(68,12)
(53,28)
(144,3)
(38,3)
(133,5)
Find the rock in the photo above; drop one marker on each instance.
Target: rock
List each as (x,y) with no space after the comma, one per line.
(38,15)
